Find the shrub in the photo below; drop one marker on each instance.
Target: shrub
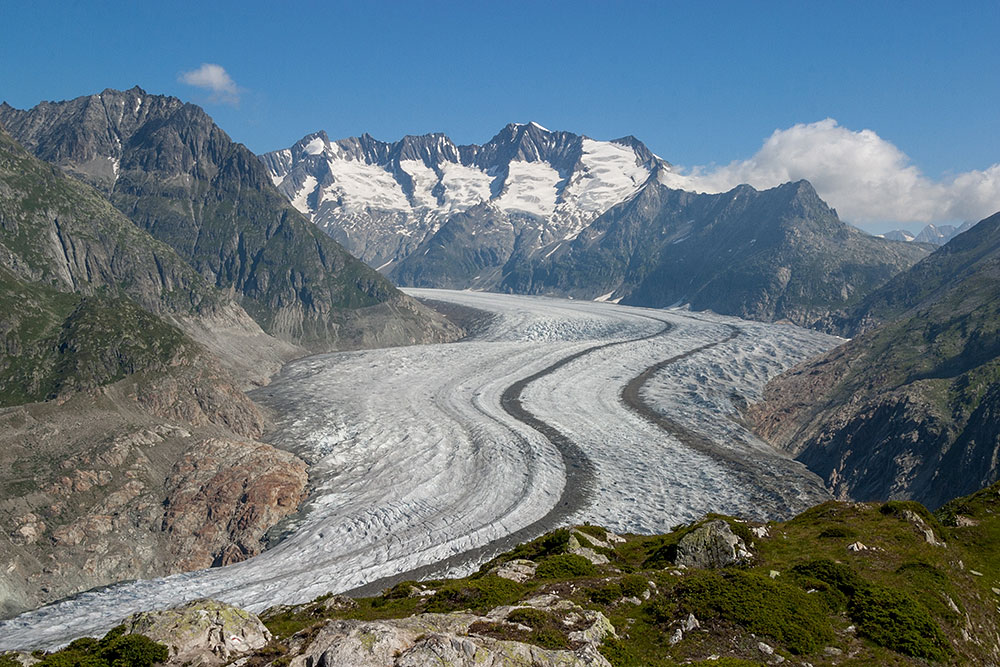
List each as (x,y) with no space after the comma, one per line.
(606,595)
(593,531)
(401,590)
(483,593)
(838,531)
(758,603)
(550,544)
(549,638)
(838,575)
(634,585)
(533,618)
(565,566)
(896,621)
(116,649)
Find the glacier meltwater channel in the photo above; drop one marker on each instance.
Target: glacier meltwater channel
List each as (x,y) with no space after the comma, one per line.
(430,459)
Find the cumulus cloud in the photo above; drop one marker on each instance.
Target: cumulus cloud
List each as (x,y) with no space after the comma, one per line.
(866,178)
(215,79)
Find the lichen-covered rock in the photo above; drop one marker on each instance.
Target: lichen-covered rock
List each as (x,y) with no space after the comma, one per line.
(575,547)
(201,632)
(445,639)
(712,544)
(519,570)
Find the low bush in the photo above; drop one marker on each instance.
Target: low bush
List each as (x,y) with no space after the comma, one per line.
(565,566)
(477,594)
(892,619)
(758,603)
(116,649)
(533,618)
(593,531)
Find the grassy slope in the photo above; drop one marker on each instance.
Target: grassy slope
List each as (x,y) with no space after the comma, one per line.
(893,603)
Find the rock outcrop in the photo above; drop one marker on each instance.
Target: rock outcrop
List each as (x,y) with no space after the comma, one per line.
(107,500)
(712,545)
(201,632)
(455,639)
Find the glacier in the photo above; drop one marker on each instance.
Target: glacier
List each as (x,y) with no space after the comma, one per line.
(418,468)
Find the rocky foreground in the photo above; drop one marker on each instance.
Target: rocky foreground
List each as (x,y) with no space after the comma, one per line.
(842,583)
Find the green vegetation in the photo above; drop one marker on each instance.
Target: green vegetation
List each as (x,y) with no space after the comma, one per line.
(65,342)
(116,649)
(804,594)
(783,612)
(479,594)
(896,621)
(565,566)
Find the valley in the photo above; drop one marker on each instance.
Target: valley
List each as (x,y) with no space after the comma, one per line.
(414,460)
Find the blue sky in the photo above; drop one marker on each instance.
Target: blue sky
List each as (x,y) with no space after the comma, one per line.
(702,84)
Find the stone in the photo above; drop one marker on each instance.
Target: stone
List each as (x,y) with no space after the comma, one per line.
(760,531)
(832,651)
(691,623)
(764,648)
(201,632)
(711,545)
(856,546)
(574,547)
(677,636)
(519,570)
(339,603)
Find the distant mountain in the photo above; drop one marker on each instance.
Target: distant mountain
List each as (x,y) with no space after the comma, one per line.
(174,173)
(543,212)
(911,407)
(898,235)
(933,234)
(383,200)
(779,254)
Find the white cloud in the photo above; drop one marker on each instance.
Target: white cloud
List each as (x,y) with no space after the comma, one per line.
(866,178)
(216,79)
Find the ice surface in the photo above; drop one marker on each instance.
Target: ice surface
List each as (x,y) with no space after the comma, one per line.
(414,460)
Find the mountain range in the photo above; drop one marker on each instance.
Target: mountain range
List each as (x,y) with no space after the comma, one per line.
(544,212)
(933,234)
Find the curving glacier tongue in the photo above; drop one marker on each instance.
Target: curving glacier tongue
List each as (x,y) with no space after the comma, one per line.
(416,460)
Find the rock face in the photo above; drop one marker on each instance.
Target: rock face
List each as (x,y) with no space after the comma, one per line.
(909,408)
(711,545)
(101,500)
(201,632)
(175,174)
(222,496)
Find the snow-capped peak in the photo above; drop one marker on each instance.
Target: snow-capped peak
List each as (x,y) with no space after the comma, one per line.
(369,194)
